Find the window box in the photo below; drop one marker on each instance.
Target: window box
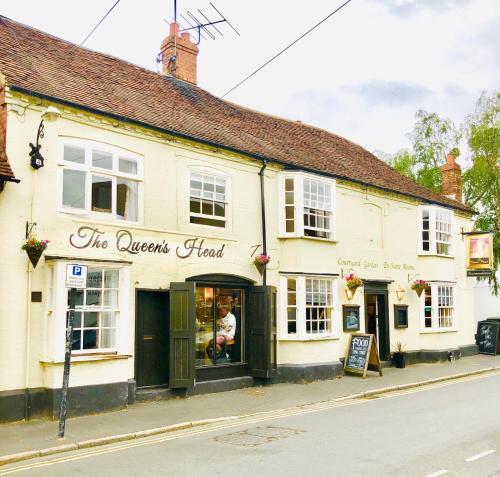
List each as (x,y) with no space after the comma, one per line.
(306,206)
(101,180)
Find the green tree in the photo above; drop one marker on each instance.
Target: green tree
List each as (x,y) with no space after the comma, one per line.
(481,181)
(433,137)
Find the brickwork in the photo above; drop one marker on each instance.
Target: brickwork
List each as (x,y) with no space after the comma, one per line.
(452,179)
(185,53)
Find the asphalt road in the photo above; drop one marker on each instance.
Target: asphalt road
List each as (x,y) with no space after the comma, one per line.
(450,429)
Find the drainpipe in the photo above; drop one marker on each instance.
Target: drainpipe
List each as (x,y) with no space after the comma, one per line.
(263,216)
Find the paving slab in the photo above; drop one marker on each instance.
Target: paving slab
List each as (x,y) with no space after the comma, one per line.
(36,435)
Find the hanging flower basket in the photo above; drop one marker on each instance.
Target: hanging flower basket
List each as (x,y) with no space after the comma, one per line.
(353,282)
(34,249)
(419,286)
(260,261)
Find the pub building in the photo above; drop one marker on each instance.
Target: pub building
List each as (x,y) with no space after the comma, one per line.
(169,195)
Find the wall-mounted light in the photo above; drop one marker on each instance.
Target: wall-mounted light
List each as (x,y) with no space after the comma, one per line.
(50,114)
(400,293)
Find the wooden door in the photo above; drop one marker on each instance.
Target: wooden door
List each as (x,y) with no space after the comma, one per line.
(152,343)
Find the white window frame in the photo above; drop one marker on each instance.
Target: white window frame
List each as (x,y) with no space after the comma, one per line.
(301,330)
(299,230)
(91,170)
(217,175)
(436,306)
(56,312)
(434,213)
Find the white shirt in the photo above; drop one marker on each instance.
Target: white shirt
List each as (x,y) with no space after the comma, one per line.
(227,326)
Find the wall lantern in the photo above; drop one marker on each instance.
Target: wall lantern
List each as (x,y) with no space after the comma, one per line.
(400,293)
(50,114)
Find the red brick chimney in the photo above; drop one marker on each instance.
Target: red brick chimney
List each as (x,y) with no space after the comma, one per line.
(451,174)
(179,55)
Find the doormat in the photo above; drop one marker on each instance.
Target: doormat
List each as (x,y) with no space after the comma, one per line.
(257,436)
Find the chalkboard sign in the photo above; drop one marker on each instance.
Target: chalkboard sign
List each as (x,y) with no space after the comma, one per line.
(361,354)
(487,336)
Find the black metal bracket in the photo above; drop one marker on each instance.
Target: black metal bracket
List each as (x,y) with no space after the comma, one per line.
(411,277)
(29,228)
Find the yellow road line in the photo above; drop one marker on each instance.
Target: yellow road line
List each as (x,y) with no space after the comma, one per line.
(253,419)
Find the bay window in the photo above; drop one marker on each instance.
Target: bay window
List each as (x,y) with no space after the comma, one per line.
(208,199)
(307,307)
(438,307)
(101,180)
(306,206)
(436,231)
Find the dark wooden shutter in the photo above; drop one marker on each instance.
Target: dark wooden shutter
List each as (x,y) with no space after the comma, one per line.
(262,352)
(182,335)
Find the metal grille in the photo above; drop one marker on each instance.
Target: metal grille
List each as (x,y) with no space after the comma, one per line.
(257,436)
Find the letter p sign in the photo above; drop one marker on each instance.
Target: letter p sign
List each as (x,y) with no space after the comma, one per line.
(76,276)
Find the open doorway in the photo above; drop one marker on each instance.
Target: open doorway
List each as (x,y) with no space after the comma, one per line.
(377,318)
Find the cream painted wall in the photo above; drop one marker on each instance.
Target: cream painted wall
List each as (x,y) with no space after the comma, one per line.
(373,231)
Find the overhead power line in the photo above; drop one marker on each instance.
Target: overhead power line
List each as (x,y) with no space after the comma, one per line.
(100,21)
(285,49)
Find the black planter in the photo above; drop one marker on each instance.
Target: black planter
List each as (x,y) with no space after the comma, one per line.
(399,360)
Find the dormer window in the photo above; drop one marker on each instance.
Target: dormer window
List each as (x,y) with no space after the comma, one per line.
(307,206)
(436,231)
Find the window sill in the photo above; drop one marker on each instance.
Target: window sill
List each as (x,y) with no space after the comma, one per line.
(80,358)
(435,255)
(305,237)
(307,339)
(433,331)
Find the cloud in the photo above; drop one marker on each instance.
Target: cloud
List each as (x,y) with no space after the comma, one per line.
(409,8)
(389,93)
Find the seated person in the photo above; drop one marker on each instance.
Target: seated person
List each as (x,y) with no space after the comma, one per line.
(226,329)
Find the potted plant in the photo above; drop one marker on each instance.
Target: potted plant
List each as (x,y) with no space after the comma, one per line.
(34,249)
(399,356)
(352,282)
(419,286)
(260,261)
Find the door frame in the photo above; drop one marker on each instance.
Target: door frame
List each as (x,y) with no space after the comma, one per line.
(136,328)
(379,288)
(226,370)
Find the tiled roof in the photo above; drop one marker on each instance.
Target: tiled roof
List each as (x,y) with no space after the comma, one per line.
(5,169)
(37,62)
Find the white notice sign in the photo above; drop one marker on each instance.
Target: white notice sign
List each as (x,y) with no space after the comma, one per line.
(76,276)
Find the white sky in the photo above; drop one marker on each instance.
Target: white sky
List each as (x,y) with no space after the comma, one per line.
(362,74)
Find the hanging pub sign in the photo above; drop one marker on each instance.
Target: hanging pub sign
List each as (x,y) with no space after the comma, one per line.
(362,355)
(479,254)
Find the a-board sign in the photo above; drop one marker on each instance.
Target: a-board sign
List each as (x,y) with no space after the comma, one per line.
(487,337)
(76,276)
(362,354)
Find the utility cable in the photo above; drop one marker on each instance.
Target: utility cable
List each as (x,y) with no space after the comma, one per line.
(102,19)
(286,48)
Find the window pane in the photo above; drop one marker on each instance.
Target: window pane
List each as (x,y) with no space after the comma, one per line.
(104,160)
(91,320)
(108,319)
(127,199)
(94,278)
(207,221)
(220,209)
(74,154)
(89,339)
(74,189)
(107,338)
(76,340)
(93,298)
(195,206)
(129,166)
(101,194)
(111,278)
(207,208)
(110,299)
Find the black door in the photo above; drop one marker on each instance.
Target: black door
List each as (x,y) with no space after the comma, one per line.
(152,338)
(377,321)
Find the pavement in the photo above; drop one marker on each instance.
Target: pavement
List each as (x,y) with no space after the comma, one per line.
(24,440)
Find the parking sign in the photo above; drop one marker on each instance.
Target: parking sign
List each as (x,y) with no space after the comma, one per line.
(76,276)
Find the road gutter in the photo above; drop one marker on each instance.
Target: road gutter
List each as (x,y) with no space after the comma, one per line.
(22,456)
